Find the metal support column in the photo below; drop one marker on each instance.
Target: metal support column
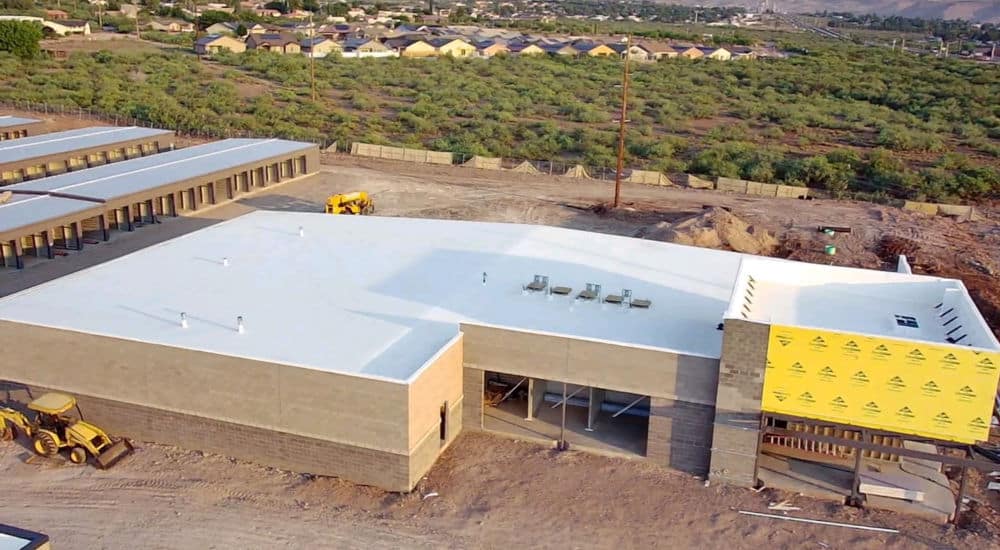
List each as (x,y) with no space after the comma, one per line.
(47,237)
(152,211)
(18,254)
(103,220)
(127,212)
(77,228)
(562,427)
(229,188)
(171,205)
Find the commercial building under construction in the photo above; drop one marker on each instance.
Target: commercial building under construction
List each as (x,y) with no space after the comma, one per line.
(360,346)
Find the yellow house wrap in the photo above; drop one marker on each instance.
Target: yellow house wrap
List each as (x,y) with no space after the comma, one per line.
(938,391)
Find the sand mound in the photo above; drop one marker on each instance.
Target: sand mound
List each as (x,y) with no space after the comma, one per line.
(713,228)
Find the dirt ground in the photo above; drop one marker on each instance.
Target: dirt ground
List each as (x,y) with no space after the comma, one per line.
(491,492)
(485,492)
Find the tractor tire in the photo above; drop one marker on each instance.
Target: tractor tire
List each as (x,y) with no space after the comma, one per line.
(8,432)
(45,445)
(78,455)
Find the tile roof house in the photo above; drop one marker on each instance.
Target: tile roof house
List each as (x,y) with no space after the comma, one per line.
(282,43)
(719,54)
(490,48)
(407,47)
(454,47)
(364,45)
(593,49)
(217,43)
(525,48)
(319,46)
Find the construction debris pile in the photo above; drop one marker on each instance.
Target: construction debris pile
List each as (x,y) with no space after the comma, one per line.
(713,228)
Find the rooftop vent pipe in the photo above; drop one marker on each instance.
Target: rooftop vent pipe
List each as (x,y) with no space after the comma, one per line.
(239,324)
(302,231)
(184,320)
(225,262)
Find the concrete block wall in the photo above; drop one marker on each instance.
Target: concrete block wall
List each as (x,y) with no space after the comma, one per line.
(680,435)
(473,388)
(736,428)
(279,449)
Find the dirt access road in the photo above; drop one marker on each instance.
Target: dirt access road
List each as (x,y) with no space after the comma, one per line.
(492,492)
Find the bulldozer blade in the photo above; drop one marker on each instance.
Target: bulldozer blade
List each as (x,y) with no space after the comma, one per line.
(114,454)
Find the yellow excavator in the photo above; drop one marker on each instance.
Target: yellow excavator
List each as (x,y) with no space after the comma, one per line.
(51,431)
(357,203)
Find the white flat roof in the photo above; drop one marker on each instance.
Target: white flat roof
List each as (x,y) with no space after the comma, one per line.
(6,121)
(10,542)
(118,179)
(378,297)
(25,148)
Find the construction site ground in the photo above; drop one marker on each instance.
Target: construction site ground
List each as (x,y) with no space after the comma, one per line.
(492,492)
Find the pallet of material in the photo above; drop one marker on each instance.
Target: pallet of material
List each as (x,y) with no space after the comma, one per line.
(892,485)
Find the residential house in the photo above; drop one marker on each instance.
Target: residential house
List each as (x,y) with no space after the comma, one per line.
(407,47)
(366,47)
(170,25)
(718,54)
(454,47)
(743,52)
(225,27)
(320,46)
(559,48)
(658,50)
(490,48)
(217,43)
(587,48)
(282,43)
(266,12)
(635,52)
(525,48)
(56,15)
(689,52)
(340,32)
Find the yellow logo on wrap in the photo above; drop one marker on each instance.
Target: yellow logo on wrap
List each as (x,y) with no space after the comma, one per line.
(851,348)
(838,403)
(949,362)
(942,420)
(931,389)
(860,378)
(881,353)
(965,393)
(915,357)
(797,369)
(818,344)
(827,374)
(783,339)
(896,384)
(871,408)
(986,366)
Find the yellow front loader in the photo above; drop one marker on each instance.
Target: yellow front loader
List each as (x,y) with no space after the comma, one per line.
(357,203)
(51,431)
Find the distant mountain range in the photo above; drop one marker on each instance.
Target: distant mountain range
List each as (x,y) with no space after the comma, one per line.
(985,11)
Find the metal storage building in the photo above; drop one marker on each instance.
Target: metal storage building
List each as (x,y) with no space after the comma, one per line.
(30,158)
(66,210)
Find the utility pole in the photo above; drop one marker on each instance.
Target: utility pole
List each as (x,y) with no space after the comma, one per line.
(312,57)
(622,122)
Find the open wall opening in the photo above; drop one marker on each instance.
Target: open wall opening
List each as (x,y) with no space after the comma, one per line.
(589,418)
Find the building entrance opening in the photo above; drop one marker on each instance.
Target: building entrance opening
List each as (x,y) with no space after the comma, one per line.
(588,418)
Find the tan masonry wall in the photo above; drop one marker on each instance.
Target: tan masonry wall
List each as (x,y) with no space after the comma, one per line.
(438,384)
(362,413)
